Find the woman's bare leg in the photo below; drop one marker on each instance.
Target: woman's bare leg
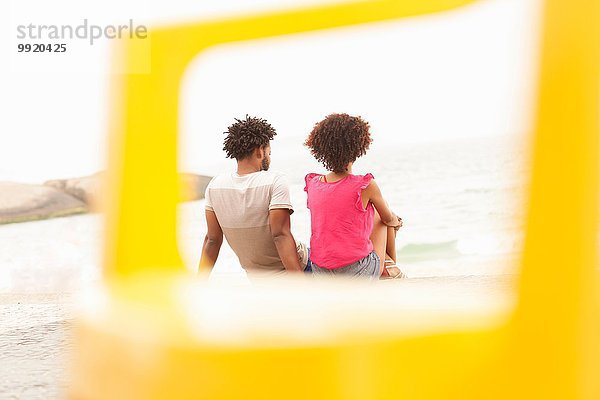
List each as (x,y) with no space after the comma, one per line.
(379,238)
(390,247)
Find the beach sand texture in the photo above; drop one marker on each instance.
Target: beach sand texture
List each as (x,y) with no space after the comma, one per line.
(35,334)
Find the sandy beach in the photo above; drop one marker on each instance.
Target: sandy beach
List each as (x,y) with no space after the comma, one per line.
(35,341)
(36,338)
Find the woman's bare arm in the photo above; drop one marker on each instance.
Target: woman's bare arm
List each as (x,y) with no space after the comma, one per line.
(373,194)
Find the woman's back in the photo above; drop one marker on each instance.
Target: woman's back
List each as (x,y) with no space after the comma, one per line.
(340,225)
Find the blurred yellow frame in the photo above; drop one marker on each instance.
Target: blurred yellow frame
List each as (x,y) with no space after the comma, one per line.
(549,349)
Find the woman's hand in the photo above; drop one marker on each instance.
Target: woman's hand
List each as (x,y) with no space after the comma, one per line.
(397,227)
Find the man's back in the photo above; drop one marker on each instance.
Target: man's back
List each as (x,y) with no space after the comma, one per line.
(241,204)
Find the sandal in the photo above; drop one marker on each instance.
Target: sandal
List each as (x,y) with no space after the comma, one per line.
(391,271)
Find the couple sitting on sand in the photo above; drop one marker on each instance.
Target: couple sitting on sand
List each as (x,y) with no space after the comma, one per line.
(352,229)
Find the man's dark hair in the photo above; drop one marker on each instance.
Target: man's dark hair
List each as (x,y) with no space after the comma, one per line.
(244,136)
(338,140)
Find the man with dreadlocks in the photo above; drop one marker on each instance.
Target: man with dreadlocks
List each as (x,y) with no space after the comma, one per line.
(251,207)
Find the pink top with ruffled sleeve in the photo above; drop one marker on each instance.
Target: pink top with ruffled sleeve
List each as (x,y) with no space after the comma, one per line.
(340,226)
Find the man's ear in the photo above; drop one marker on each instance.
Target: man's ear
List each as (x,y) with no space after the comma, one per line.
(259,153)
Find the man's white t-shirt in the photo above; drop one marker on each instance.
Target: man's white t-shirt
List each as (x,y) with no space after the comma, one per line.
(241,204)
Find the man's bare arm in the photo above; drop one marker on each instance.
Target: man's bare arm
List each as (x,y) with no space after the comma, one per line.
(279,220)
(212,243)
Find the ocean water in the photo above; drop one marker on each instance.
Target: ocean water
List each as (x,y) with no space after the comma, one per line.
(461,201)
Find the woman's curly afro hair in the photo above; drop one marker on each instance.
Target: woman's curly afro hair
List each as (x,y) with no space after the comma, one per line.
(338,140)
(246,135)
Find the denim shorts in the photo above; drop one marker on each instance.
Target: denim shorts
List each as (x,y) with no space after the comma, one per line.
(367,267)
(304,257)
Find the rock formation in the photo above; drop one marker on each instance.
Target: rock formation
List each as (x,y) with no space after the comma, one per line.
(61,197)
(21,202)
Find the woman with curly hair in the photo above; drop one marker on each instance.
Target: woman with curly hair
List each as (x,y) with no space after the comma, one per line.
(352,227)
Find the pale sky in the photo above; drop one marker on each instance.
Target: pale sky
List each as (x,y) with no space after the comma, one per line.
(467,73)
